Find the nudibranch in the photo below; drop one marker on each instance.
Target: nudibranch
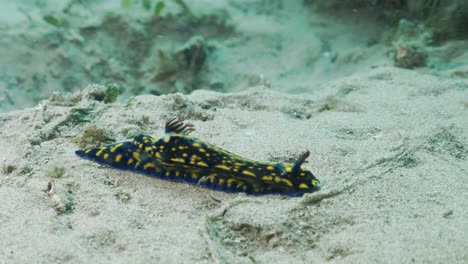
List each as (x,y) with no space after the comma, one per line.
(178,156)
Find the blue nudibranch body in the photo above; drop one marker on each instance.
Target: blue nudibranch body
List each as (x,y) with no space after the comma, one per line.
(178,156)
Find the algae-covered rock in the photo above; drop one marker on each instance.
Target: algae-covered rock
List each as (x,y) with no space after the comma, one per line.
(410,55)
(93,136)
(105,93)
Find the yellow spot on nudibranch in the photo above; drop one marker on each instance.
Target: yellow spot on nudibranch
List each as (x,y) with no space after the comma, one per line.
(288,168)
(202,150)
(106,156)
(87,151)
(221,181)
(149,165)
(118,157)
(130,160)
(114,148)
(167,138)
(223,167)
(248,173)
(184,155)
(230,182)
(136,155)
(196,145)
(100,151)
(269,168)
(288,182)
(180,160)
(303,186)
(157,155)
(201,163)
(314,182)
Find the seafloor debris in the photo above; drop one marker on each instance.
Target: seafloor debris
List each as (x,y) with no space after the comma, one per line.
(55,200)
(106,93)
(122,196)
(7,168)
(410,55)
(62,203)
(94,135)
(56,171)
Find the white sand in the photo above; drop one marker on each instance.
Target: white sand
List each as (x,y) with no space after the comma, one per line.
(390,147)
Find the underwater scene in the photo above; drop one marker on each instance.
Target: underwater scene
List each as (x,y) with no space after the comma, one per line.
(234,131)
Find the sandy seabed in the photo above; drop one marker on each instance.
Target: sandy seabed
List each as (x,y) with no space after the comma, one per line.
(389,146)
